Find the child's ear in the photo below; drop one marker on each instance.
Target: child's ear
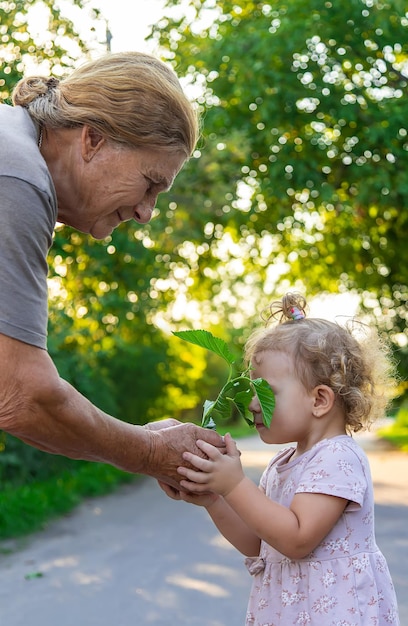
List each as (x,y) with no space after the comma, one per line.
(323,400)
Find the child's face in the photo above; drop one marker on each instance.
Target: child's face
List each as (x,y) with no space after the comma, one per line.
(292,417)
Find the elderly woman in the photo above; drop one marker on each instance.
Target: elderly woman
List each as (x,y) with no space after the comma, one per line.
(90,151)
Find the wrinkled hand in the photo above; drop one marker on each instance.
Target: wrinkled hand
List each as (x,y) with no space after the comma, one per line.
(167,446)
(219,473)
(205,499)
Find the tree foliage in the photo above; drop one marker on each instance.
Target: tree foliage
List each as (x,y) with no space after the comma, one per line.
(105,297)
(306,104)
(299,176)
(102,334)
(36,33)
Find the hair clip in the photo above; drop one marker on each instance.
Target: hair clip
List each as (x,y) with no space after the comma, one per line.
(296,314)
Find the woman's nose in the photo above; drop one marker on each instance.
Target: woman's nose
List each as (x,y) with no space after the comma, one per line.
(143,211)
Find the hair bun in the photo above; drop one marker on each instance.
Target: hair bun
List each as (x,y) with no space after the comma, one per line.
(291,307)
(52,82)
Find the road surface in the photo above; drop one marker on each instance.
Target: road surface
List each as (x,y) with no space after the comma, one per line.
(137,558)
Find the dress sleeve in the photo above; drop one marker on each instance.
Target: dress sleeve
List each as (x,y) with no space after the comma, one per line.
(335,469)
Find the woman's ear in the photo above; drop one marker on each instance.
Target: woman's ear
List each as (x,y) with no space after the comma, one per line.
(323,400)
(91,142)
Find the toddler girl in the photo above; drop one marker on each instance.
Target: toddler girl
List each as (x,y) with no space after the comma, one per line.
(308,530)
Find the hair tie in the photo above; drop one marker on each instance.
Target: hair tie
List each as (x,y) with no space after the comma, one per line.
(296,314)
(52,82)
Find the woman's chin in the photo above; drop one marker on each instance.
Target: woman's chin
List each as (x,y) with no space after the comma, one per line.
(100,231)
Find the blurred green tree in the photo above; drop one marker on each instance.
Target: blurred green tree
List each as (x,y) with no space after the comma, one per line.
(103,332)
(305,119)
(298,177)
(103,296)
(37,33)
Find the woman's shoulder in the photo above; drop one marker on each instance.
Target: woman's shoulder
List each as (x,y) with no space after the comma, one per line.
(19,154)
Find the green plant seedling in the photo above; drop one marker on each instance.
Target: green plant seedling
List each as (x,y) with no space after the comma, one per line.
(237,391)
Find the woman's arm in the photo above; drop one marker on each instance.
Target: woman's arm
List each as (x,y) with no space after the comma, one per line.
(43,410)
(293,531)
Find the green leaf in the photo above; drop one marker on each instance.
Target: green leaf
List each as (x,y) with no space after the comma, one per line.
(266,399)
(236,392)
(240,393)
(241,401)
(207,410)
(220,407)
(205,339)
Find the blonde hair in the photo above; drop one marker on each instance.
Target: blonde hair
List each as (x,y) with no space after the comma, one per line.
(132,98)
(352,360)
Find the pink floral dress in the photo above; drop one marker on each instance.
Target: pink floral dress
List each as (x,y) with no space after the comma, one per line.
(345,581)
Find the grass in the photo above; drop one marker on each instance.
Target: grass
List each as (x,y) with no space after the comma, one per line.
(397,435)
(28,508)
(397,432)
(398,438)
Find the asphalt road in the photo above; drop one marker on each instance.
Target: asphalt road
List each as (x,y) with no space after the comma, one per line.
(137,558)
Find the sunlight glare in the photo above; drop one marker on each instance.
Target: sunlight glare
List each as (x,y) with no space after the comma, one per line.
(205,587)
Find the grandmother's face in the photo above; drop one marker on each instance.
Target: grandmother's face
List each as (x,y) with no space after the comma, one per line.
(114,184)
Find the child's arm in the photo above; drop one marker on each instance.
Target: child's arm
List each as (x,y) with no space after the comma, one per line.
(293,531)
(224,517)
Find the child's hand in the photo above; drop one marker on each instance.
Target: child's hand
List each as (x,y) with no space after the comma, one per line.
(204,499)
(219,473)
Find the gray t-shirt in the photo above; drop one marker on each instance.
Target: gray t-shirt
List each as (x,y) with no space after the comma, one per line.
(28,213)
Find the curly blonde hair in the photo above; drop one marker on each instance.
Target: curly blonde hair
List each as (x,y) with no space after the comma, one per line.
(352,360)
(132,98)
